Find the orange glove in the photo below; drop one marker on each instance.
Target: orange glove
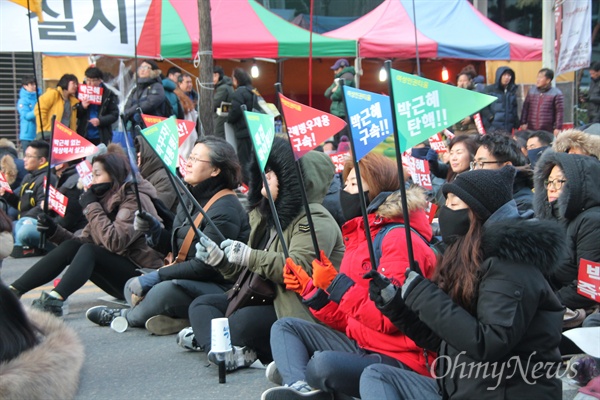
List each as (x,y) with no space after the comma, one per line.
(295,278)
(323,272)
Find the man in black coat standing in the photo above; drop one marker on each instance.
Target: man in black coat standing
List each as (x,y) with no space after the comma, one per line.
(503,112)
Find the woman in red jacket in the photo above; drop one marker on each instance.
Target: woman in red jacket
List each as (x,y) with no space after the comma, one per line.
(318,360)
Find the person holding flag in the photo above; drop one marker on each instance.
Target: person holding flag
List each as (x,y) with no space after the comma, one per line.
(489,304)
(250,326)
(27,199)
(315,359)
(212,172)
(108,251)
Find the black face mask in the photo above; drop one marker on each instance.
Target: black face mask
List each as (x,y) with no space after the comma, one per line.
(535,154)
(351,204)
(453,223)
(100,189)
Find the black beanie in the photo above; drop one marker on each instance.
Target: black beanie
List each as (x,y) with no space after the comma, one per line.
(484,190)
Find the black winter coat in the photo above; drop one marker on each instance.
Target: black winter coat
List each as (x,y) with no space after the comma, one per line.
(503,112)
(594,101)
(579,210)
(518,319)
(68,185)
(108,115)
(27,197)
(149,95)
(242,95)
(229,217)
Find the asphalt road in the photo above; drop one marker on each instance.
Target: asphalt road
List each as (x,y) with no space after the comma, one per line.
(136,364)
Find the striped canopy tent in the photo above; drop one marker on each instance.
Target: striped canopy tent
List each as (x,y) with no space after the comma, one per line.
(445,29)
(240,29)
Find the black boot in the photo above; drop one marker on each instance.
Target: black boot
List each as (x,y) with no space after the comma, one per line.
(49,304)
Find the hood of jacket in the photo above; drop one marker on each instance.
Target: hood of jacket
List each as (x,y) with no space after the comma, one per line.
(347,70)
(499,72)
(31,375)
(168,84)
(581,191)
(150,162)
(317,173)
(226,81)
(29,96)
(525,241)
(575,138)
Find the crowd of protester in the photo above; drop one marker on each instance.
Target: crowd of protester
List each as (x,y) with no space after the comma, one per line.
(493,280)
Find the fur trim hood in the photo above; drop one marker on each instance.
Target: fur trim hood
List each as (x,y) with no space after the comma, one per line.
(533,242)
(9,168)
(581,191)
(317,173)
(50,370)
(574,138)
(389,204)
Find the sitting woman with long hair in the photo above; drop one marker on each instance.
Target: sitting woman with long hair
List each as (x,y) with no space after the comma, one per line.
(489,304)
(108,251)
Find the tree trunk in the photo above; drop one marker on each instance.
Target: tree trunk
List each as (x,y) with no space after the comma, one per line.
(205,69)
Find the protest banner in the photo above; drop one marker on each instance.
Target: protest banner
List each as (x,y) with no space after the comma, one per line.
(4,183)
(588,279)
(339,160)
(163,138)
(184,127)
(262,132)
(84,169)
(56,200)
(370,117)
(67,145)
(307,127)
(93,94)
(437,144)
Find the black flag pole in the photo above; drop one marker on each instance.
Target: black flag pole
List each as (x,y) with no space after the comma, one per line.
(176,181)
(311,225)
(37,93)
(286,253)
(42,244)
(361,193)
(132,161)
(411,258)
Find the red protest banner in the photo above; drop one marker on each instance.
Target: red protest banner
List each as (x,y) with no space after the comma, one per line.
(419,171)
(308,127)
(449,134)
(479,123)
(4,183)
(184,127)
(84,169)
(339,159)
(68,145)
(56,200)
(438,144)
(431,210)
(588,279)
(93,94)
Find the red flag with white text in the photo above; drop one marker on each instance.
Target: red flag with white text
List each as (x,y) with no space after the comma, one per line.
(67,145)
(308,127)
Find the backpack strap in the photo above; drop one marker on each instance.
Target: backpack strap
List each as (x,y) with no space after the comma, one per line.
(378,241)
(187,241)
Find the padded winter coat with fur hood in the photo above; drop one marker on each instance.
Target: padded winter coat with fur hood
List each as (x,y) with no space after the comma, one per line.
(50,370)
(578,208)
(574,139)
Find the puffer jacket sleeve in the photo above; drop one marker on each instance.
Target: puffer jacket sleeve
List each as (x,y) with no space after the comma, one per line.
(155,97)
(45,103)
(558,111)
(525,109)
(504,311)
(111,111)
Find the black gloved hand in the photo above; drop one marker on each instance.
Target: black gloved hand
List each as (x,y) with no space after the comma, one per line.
(88,197)
(46,224)
(381,289)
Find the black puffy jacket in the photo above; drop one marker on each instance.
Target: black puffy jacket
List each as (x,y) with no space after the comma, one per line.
(517,321)
(503,112)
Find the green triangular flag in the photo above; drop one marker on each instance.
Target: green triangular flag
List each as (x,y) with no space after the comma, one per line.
(164,139)
(424,107)
(262,132)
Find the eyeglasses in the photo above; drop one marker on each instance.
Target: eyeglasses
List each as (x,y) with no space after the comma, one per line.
(30,156)
(142,67)
(556,184)
(193,160)
(481,164)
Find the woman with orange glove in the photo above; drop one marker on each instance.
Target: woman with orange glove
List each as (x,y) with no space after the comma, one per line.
(316,361)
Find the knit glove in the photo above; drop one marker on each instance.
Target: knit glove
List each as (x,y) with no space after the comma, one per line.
(46,224)
(381,289)
(150,226)
(296,279)
(323,272)
(236,252)
(412,280)
(88,197)
(142,284)
(208,252)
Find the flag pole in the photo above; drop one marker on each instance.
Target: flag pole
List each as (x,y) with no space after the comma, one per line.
(37,88)
(286,253)
(176,181)
(132,162)
(361,193)
(311,225)
(42,244)
(407,232)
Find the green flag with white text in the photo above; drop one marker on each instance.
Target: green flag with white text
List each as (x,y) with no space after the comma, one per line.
(262,132)
(424,107)
(164,139)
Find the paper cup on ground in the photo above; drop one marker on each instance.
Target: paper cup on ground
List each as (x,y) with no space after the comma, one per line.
(119,324)
(220,339)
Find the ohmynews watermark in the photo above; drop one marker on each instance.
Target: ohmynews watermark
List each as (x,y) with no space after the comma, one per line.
(530,371)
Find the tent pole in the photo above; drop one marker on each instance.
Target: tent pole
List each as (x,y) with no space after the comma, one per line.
(416,41)
(310,54)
